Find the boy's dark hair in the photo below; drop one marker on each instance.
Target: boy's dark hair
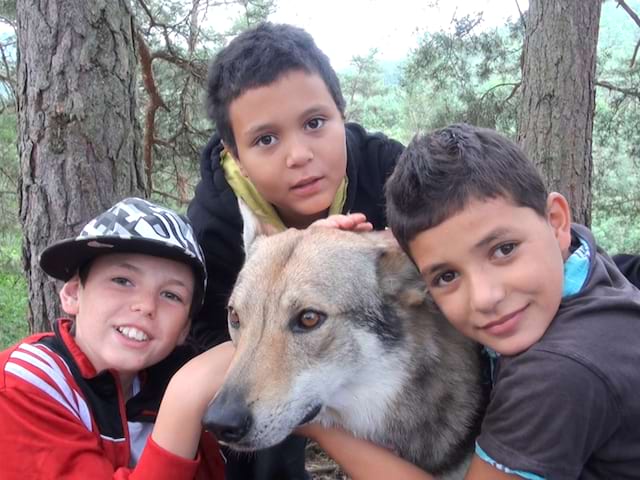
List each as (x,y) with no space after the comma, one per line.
(258,57)
(440,172)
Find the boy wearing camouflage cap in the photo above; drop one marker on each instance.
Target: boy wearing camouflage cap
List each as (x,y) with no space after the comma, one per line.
(96,398)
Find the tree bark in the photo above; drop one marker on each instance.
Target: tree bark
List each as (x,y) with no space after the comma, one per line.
(558,96)
(78,137)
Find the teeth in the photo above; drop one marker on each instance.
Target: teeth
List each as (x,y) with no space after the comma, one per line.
(133,333)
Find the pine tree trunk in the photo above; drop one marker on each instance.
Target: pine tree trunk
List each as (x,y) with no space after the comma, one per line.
(78,138)
(558,96)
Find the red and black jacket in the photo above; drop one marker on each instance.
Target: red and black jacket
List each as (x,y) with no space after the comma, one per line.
(62,419)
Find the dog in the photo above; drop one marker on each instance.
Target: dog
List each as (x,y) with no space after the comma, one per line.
(336,327)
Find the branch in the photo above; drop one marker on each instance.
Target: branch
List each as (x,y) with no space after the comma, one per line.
(172,197)
(513,91)
(524,24)
(627,91)
(8,21)
(194,28)
(627,8)
(11,178)
(148,12)
(197,69)
(635,53)
(155,102)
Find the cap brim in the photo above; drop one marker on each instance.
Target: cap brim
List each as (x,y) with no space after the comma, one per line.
(63,259)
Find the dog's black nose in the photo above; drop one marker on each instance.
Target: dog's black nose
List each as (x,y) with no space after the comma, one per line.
(228,417)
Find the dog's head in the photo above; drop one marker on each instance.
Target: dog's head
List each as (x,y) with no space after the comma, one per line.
(311,314)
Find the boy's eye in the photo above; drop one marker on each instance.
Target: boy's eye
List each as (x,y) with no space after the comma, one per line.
(504,250)
(315,123)
(174,297)
(266,140)
(444,279)
(121,281)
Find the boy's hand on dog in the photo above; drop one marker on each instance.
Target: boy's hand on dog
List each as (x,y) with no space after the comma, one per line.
(355,222)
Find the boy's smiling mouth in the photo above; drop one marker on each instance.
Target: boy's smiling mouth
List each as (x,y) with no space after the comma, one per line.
(133,333)
(505,324)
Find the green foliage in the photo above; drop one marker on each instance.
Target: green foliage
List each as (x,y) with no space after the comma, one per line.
(8,9)
(616,136)
(371,99)
(9,173)
(13,292)
(465,75)
(456,75)
(252,13)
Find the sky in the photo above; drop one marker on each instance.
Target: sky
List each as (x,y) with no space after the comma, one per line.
(344,28)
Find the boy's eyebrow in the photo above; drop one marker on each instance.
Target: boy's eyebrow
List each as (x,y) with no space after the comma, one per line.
(261,127)
(313,109)
(431,269)
(128,266)
(491,237)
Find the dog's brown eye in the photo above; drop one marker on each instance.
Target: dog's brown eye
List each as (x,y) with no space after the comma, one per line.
(309,319)
(234,320)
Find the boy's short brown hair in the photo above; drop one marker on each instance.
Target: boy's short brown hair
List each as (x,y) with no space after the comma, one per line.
(439,173)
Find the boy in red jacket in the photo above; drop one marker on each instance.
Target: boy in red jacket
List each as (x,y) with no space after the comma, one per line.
(96,397)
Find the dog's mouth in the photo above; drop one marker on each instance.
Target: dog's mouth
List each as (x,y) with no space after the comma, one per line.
(311,414)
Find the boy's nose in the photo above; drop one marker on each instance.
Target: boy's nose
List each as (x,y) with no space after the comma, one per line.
(144,303)
(486,293)
(298,153)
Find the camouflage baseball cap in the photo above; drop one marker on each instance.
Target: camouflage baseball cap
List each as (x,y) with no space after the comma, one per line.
(132,225)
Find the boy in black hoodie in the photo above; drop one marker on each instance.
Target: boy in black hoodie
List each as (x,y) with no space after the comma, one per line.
(283,147)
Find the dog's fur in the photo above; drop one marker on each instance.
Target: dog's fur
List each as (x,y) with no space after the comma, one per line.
(381,363)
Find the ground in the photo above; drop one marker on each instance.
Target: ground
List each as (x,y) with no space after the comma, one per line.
(322,467)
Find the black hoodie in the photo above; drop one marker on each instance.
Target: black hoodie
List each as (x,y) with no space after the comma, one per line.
(216,219)
(629,265)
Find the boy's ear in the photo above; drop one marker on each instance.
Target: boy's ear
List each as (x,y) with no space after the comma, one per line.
(559,218)
(69,295)
(252,227)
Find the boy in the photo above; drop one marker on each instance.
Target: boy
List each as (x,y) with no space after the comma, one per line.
(505,265)
(281,146)
(81,402)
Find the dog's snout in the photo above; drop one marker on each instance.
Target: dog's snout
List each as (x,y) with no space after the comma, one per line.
(228,417)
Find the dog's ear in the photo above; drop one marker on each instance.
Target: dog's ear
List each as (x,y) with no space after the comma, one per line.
(252,227)
(398,276)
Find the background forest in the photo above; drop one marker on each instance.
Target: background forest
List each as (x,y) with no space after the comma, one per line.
(464,72)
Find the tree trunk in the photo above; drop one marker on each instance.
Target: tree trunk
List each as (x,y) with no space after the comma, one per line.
(558,96)
(78,138)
